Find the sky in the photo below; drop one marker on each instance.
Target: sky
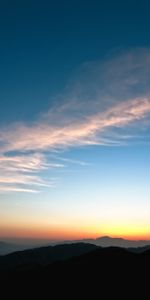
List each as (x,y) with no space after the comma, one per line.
(74,119)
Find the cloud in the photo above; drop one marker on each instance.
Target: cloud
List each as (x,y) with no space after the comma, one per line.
(107,102)
(7,189)
(20,173)
(72,161)
(27,163)
(88,130)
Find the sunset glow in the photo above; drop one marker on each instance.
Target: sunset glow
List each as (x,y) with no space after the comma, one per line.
(74,121)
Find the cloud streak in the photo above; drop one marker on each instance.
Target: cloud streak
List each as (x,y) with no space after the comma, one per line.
(110,96)
(10,189)
(45,136)
(20,173)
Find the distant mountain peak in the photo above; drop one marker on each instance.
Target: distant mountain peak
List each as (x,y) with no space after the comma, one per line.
(106,237)
(107,241)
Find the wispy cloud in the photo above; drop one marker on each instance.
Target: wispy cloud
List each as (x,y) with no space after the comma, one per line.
(88,130)
(10,189)
(106,97)
(20,173)
(25,163)
(72,161)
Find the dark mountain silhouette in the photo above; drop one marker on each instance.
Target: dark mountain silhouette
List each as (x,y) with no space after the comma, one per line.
(14,245)
(139,249)
(44,255)
(79,268)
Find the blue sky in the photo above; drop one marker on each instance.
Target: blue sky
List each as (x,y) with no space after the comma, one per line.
(74,118)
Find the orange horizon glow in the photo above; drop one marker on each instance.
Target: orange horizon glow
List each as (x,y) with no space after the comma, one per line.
(69,234)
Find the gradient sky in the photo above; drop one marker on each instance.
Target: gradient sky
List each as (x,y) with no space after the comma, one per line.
(74,118)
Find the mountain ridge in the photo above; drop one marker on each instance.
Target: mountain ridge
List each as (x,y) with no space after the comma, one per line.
(103,241)
(44,255)
(98,268)
(107,241)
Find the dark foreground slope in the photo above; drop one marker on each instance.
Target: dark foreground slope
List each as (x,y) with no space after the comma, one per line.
(101,271)
(29,259)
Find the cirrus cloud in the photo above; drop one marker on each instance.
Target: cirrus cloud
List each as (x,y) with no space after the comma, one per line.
(106,97)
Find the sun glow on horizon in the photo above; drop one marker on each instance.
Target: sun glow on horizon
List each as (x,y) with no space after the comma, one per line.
(75,233)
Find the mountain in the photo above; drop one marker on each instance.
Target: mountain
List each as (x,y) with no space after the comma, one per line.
(7,247)
(44,255)
(77,268)
(12,245)
(139,249)
(107,241)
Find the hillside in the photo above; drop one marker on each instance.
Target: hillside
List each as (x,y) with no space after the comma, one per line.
(43,256)
(83,268)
